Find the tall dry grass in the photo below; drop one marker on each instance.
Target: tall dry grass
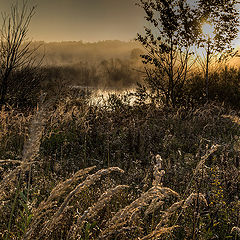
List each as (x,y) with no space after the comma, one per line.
(168,181)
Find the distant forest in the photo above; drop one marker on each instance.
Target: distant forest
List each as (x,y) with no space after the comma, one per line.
(108,64)
(71,52)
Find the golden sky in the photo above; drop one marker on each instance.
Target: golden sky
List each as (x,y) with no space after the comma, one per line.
(87,20)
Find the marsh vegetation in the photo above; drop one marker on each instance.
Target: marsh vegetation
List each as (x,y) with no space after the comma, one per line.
(157,157)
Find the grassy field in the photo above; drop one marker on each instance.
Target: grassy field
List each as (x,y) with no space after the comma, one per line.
(72,170)
(156,157)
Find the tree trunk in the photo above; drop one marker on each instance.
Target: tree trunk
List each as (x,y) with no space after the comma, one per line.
(3,89)
(207,68)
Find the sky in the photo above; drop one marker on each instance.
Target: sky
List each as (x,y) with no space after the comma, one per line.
(86,20)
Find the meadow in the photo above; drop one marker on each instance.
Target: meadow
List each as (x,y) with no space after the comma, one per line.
(123,169)
(118,140)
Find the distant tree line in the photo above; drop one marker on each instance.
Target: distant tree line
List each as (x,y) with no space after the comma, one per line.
(108,74)
(168,52)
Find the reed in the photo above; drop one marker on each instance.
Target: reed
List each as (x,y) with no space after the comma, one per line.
(168,181)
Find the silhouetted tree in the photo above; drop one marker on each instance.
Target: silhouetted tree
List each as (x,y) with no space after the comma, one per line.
(168,43)
(15,49)
(223,22)
(224,18)
(175,27)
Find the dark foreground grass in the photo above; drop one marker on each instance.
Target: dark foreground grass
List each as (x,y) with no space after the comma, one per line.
(158,173)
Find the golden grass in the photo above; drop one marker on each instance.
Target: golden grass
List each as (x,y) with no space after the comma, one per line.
(91,202)
(159,232)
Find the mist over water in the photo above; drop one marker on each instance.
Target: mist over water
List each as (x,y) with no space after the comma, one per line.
(105,66)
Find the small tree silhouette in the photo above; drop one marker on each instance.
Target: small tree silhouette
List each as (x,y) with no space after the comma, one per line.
(175,28)
(15,49)
(221,21)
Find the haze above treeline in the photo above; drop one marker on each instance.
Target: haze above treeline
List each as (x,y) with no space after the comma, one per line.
(105,64)
(73,52)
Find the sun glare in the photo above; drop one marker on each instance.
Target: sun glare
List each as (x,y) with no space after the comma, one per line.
(208,30)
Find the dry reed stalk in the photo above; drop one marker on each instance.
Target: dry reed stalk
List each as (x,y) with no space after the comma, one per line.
(122,233)
(13,123)
(154,206)
(89,181)
(130,213)
(8,180)
(234,119)
(199,166)
(47,206)
(66,111)
(235,230)
(30,151)
(31,147)
(159,232)
(193,198)
(10,161)
(9,119)
(201,163)
(169,212)
(158,172)
(94,211)
(62,187)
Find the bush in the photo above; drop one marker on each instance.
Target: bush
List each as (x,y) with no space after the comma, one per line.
(224,87)
(24,88)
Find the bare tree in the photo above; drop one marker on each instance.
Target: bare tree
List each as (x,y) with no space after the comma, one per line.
(220,21)
(16,51)
(175,29)
(168,45)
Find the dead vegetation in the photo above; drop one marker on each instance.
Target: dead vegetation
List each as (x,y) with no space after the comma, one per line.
(167,183)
